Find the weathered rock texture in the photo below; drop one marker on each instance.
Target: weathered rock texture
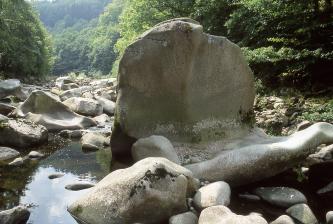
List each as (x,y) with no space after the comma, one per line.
(150,191)
(181,83)
(42,108)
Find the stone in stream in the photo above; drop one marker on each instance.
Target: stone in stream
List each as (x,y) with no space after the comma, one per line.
(197,90)
(184,218)
(283,219)
(222,215)
(17,162)
(5,109)
(280,196)
(302,213)
(213,194)
(75,134)
(55,176)
(77,92)
(79,186)
(92,141)
(43,108)
(8,153)
(108,105)
(329,217)
(11,87)
(154,146)
(249,197)
(21,133)
(326,189)
(84,106)
(102,119)
(3,118)
(35,155)
(16,215)
(150,191)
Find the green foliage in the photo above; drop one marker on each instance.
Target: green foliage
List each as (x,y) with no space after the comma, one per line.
(25,47)
(319,113)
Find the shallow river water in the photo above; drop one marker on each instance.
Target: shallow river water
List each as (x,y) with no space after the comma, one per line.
(48,199)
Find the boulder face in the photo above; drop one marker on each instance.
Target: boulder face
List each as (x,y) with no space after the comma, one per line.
(84,106)
(181,83)
(42,108)
(138,194)
(11,87)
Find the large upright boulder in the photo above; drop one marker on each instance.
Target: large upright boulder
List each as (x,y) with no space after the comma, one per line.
(150,191)
(181,83)
(42,108)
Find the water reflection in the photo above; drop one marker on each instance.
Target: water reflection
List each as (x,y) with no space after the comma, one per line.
(48,198)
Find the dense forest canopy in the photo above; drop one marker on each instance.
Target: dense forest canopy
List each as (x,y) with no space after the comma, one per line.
(286,42)
(25,48)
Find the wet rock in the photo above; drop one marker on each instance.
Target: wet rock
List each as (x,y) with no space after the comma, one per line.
(92,141)
(74,134)
(84,106)
(172,103)
(11,87)
(42,108)
(108,105)
(154,146)
(283,219)
(16,215)
(21,133)
(281,196)
(213,194)
(55,176)
(8,153)
(5,109)
(17,162)
(3,118)
(184,218)
(35,154)
(329,217)
(249,197)
(302,213)
(69,86)
(79,186)
(326,189)
(222,215)
(130,195)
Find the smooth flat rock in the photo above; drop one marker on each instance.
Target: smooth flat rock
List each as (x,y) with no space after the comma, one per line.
(302,213)
(79,186)
(8,153)
(281,196)
(150,191)
(222,215)
(16,215)
(43,108)
(21,133)
(55,176)
(154,146)
(184,218)
(217,193)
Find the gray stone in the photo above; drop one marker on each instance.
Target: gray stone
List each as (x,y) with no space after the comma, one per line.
(326,189)
(281,196)
(108,105)
(55,176)
(249,197)
(35,154)
(303,125)
(100,83)
(154,146)
(184,218)
(302,213)
(222,215)
(74,134)
(324,154)
(329,217)
(11,87)
(259,156)
(213,194)
(77,92)
(21,133)
(17,162)
(16,215)
(162,89)
(69,86)
(5,109)
(42,108)
(150,191)
(92,141)
(102,119)
(79,186)
(8,153)
(84,106)
(283,219)
(3,118)
(60,81)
